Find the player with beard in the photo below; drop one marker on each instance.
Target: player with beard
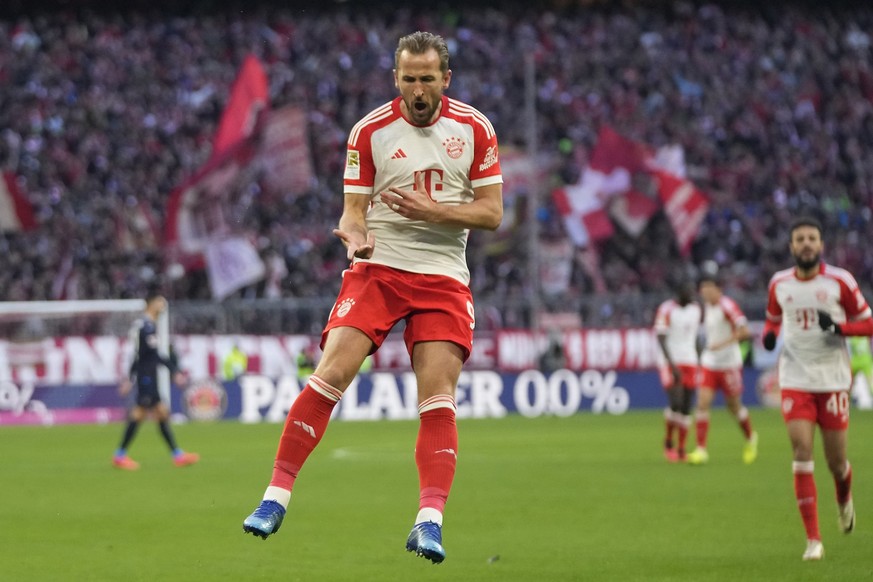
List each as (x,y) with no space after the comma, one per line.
(421,171)
(817,305)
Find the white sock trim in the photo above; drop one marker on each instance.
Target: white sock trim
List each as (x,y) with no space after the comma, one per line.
(846,470)
(324,388)
(802,467)
(742,414)
(438,401)
(429,514)
(702,416)
(279,495)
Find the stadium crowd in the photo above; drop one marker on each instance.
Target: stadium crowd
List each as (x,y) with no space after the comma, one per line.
(102,114)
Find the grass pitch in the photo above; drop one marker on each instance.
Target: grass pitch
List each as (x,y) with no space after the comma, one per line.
(580,498)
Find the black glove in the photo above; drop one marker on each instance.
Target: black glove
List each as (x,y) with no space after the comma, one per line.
(826,322)
(769,341)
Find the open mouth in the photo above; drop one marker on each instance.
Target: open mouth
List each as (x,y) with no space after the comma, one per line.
(420,106)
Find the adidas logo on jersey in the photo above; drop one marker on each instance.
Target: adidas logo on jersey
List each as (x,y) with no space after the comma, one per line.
(399,155)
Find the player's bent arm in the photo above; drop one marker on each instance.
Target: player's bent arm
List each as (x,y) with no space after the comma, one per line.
(863,327)
(352,228)
(354,216)
(771,331)
(662,341)
(484,212)
(742,333)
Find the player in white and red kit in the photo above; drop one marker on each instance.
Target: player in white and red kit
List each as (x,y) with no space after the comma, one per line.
(721,368)
(677,322)
(816,305)
(421,171)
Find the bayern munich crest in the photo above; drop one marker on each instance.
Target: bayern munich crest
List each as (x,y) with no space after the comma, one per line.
(205,400)
(344,307)
(454,147)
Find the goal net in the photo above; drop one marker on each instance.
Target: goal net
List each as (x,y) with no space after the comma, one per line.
(61,361)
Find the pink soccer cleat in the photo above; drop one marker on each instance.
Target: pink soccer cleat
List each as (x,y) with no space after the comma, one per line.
(125,463)
(185,459)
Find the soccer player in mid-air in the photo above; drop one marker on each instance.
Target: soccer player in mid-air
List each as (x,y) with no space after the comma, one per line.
(144,375)
(816,305)
(721,368)
(421,171)
(677,322)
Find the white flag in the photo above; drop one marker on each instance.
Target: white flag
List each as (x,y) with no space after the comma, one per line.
(231,264)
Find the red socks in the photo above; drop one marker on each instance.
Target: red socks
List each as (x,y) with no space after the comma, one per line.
(844,485)
(683,422)
(702,428)
(436,451)
(804,490)
(305,425)
(745,422)
(670,426)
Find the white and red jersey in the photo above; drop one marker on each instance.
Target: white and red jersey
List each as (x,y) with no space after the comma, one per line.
(680,325)
(719,323)
(455,154)
(814,360)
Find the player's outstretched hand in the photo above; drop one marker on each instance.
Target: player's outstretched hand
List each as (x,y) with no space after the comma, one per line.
(354,247)
(826,322)
(180,379)
(769,341)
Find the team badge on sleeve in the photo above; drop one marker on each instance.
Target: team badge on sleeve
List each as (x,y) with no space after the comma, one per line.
(490,158)
(353,165)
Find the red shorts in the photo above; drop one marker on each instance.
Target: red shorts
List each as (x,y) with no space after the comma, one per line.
(728,381)
(687,376)
(830,410)
(373,298)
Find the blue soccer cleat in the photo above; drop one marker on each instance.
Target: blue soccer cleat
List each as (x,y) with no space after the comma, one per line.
(425,540)
(265,520)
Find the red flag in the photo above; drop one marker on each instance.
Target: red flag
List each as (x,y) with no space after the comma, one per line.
(614,152)
(685,207)
(196,210)
(248,96)
(16,213)
(583,206)
(284,153)
(632,211)
(583,223)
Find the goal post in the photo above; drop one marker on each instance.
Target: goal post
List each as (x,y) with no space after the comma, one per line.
(25,323)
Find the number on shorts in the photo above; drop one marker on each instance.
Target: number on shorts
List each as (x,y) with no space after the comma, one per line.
(838,404)
(472,315)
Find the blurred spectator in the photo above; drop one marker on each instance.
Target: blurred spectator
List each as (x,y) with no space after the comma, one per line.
(103,114)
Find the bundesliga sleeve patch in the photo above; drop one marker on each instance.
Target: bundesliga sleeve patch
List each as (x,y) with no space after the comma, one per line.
(353,165)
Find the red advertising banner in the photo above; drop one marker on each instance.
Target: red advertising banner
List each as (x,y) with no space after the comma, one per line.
(105,359)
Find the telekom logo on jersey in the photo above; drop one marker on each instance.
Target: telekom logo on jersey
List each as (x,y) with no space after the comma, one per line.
(432,178)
